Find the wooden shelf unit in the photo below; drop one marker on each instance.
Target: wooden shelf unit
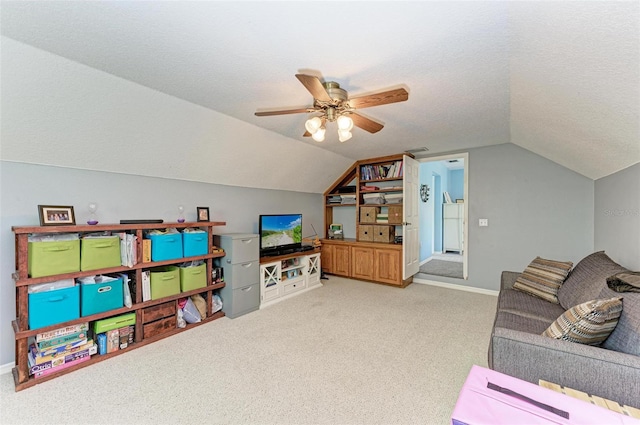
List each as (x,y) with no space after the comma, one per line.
(22,280)
(362,258)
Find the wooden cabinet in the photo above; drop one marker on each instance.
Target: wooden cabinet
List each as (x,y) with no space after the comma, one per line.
(336,259)
(363,262)
(370,261)
(154,319)
(373,255)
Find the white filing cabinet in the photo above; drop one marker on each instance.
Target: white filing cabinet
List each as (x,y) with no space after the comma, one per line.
(453,219)
(241,268)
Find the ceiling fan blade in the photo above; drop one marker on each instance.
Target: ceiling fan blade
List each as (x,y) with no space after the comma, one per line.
(314,86)
(376,99)
(306,134)
(365,123)
(284,112)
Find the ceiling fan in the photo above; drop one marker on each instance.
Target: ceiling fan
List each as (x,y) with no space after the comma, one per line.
(333,104)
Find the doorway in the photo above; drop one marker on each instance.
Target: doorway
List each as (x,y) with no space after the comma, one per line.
(443,217)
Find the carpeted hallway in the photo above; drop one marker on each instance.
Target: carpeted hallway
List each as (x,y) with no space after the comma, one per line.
(349,352)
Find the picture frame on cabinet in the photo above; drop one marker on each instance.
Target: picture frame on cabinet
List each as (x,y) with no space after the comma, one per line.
(56,215)
(203,213)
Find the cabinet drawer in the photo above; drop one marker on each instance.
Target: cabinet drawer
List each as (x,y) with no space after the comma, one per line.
(238,248)
(271,292)
(365,233)
(159,327)
(384,234)
(242,274)
(369,214)
(293,286)
(159,311)
(242,300)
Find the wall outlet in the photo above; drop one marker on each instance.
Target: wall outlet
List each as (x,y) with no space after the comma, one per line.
(483,222)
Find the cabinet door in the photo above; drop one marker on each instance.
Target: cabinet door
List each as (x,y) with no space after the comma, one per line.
(326,256)
(387,266)
(341,260)
(363,261)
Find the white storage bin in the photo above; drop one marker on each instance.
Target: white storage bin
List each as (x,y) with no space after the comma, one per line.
(374,198)
(393,198)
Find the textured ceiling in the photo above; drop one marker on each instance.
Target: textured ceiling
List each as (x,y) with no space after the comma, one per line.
(561,79)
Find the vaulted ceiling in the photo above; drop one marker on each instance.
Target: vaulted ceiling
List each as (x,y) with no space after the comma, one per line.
(561,79)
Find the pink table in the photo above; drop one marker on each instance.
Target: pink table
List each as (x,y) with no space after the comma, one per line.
(507,404)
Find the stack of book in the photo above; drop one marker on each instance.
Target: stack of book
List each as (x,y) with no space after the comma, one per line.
(52,351)
(382,218)
(334,199)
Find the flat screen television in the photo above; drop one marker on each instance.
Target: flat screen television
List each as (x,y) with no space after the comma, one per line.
(280,233)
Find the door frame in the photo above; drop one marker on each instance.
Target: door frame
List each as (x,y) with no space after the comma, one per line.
(465,251)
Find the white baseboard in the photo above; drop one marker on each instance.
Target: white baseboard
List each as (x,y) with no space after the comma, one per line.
(458,287)
(6,368)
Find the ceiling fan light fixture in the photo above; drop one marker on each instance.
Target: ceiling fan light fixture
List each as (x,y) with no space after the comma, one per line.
(344,135)
(345,123)
(313,125)
(318,136)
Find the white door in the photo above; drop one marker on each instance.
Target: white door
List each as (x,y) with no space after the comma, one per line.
(410,218)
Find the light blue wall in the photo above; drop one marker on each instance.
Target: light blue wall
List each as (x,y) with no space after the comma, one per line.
(456,184)
(431,211)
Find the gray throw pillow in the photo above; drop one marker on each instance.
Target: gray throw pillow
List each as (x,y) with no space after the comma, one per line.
(589,323)
(587,279)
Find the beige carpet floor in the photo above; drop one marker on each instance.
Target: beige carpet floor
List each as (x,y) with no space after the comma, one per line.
(349,352)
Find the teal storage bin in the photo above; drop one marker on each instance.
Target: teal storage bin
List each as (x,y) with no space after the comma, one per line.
(100,253)
(51,307)
(166,247)
(193,277)
(195,243)
(54,257)
(99,297)
(165,281)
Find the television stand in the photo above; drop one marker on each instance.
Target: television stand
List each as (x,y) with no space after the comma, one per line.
(288,274)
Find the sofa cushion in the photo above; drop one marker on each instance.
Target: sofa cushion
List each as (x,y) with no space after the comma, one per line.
(626,336)
(517,322)
(542,278)
(586,280)
(523,304)
(587,323)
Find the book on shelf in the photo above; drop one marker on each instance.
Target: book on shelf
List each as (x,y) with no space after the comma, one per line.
(48,351)
(63,366)
(61,332)
(39,358)
(146,285)
(58,361)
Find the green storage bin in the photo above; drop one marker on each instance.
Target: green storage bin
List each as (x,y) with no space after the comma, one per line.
(100,253)
(193,277)
(53,257)
(115,322)
(165,281)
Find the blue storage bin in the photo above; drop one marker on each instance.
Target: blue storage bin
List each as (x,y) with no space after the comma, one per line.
(166,247)
(98,297)
(51,307)
(195,243)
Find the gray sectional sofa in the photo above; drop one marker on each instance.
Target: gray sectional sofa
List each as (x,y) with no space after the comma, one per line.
(517,347)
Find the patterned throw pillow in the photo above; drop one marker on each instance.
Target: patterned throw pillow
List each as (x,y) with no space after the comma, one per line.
(542,278)
(588,323)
